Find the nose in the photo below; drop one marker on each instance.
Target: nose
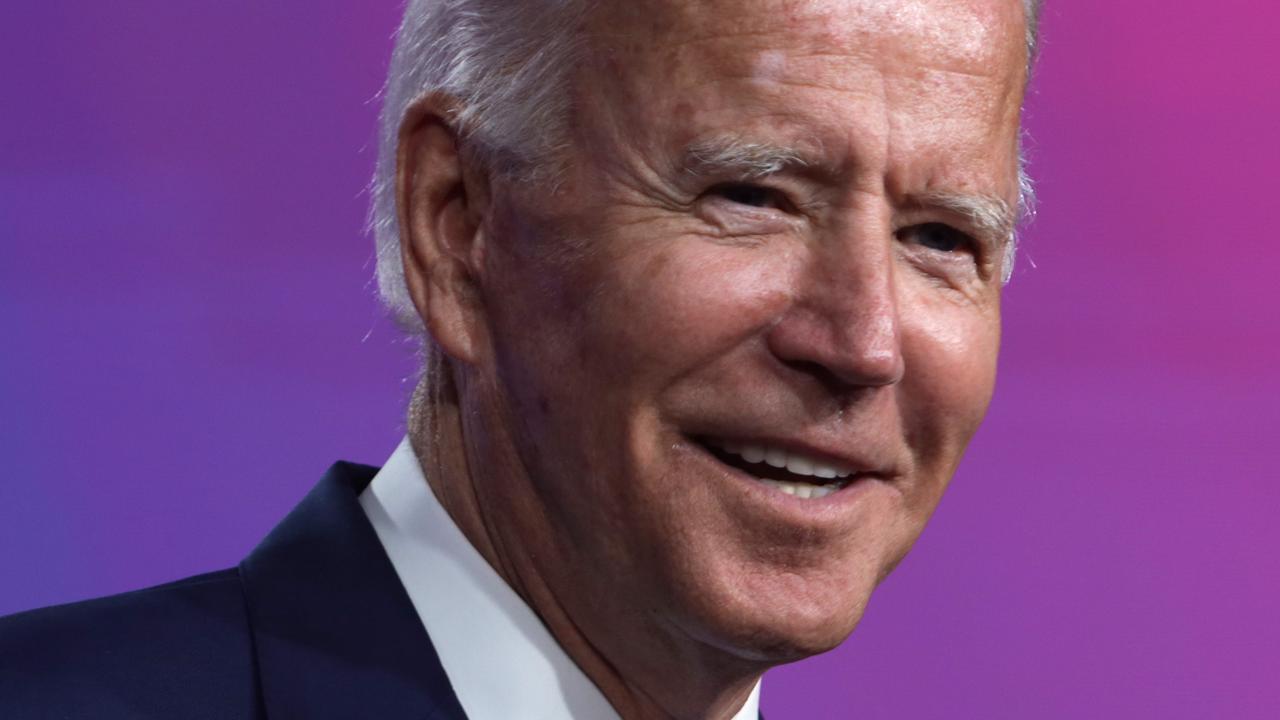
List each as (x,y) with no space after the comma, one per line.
(844,325)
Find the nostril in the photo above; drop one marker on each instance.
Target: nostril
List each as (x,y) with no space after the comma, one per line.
(830,381)
(827,392)
(857,352)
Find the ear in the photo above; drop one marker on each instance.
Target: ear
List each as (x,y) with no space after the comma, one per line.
(440,204)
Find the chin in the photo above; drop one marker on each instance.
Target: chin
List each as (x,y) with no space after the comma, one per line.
(779,615)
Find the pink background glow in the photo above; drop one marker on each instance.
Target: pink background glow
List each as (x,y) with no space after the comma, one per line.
(190,337)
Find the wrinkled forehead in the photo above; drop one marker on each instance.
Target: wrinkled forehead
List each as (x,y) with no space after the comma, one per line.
(962,35)
(915,94)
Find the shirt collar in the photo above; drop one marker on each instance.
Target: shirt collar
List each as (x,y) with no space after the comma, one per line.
(480,627)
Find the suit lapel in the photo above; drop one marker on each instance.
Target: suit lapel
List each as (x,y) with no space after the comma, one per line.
(334,631)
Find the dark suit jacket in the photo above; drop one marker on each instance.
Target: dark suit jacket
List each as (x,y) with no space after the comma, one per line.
(313,624)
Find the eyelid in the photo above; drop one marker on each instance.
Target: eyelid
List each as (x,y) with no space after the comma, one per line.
(967,250)
(980,237)
(982,243)
(985,248)
(735,218)
(797,197)
(976,255)
(781,201)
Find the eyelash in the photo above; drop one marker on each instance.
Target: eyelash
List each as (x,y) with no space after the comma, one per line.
(741,193)
(961,240)
(761,197)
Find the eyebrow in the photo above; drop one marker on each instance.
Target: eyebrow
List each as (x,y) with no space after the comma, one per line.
(732,155)
(990,215)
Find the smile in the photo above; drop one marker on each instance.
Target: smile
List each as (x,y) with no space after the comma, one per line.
(788,471)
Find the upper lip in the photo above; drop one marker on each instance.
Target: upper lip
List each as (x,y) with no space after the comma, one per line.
(859,463)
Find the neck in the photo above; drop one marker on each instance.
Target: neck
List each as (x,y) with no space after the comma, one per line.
(645,670)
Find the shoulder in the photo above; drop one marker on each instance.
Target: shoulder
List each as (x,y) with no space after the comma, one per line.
(177,650)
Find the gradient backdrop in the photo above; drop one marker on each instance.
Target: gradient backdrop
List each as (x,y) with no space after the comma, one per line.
(190,337)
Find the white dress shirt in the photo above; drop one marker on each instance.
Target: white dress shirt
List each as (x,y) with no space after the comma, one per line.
(499,657)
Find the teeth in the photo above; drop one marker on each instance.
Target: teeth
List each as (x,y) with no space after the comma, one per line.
(794,463)
(779,458)
(775,457)
(802,490)
(799,465)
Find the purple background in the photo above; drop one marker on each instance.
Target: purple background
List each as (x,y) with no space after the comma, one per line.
(190,337)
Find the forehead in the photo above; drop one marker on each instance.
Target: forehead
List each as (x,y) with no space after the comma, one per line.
(959,32)
(897,74)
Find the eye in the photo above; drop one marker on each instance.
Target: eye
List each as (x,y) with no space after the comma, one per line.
(936,236)
(756,196)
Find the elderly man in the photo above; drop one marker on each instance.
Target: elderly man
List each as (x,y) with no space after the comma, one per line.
(709,294)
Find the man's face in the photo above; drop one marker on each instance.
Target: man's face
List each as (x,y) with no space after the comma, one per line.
(770,247)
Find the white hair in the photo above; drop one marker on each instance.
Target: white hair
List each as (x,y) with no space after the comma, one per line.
(506,63)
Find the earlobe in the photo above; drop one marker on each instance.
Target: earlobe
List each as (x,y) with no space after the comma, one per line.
(439,206)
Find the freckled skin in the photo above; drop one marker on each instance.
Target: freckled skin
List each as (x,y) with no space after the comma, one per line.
(678,313)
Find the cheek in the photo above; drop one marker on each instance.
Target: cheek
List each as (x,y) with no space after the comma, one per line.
(677,308)
(628,319)
(950,351)
(629,329)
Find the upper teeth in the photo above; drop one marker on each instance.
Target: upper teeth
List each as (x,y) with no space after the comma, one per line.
(794,462)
